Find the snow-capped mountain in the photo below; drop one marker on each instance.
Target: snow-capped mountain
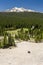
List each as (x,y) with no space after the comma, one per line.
(16,9)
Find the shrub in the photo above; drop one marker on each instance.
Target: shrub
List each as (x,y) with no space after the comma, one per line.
(4,44)
(27,35)
(0,44)
(23,35)
(38,36)
(11,40)
(16,36)
(7,41)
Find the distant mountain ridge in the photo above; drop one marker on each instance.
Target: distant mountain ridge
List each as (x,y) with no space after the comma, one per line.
(16,9)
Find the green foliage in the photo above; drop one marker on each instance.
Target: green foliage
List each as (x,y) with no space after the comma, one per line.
(9,21)
(38,39)
(11,40)
(27,35)
(16,36)
(5,41)
(18,20)
(38,36)
(0,44)
(23,35)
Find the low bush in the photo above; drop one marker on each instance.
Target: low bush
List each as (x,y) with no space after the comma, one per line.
(38,36)
(7,41)
(0,44)
(11,41)
(23,35)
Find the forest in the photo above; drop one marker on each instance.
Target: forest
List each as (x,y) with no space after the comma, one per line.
(25,26)
(20,19)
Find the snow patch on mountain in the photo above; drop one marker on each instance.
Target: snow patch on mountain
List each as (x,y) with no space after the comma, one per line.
(16,9)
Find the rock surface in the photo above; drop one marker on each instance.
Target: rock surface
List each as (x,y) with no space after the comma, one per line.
(20,55)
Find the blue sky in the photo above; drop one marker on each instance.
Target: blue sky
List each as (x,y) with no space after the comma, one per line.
(31,4)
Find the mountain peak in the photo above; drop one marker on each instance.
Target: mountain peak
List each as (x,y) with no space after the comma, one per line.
(21,9)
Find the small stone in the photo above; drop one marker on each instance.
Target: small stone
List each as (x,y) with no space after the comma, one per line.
(29,52)
(10,48)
